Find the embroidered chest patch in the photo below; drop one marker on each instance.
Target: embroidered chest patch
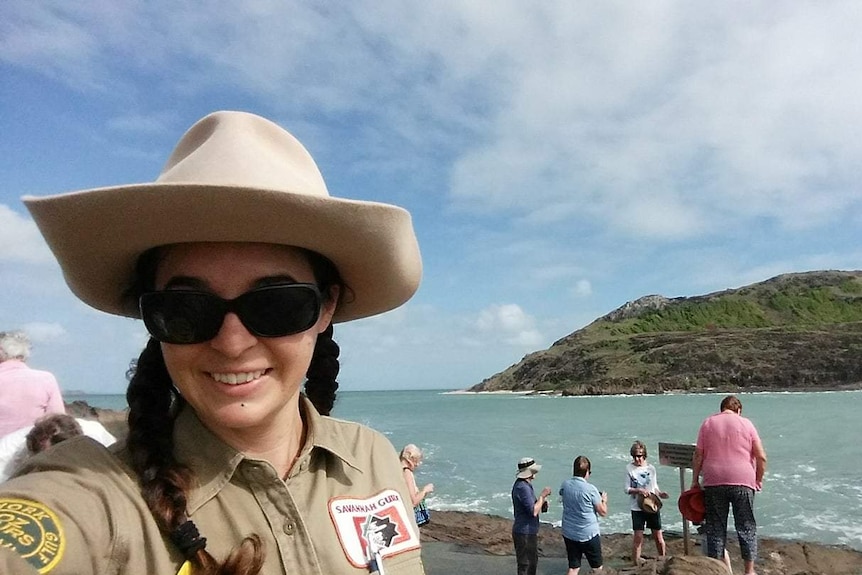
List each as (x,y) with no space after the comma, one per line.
(372,528)
(33,531)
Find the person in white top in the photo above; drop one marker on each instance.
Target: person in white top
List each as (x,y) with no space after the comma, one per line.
(642,480)
(48,430)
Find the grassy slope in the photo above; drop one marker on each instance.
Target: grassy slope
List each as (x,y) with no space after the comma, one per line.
(793,331)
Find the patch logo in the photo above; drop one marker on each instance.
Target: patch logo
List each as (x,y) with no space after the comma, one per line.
(33,531)
(372,528)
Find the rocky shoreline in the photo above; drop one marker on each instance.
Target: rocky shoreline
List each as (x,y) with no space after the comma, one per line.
(484,542)
(114,421)
(728,389)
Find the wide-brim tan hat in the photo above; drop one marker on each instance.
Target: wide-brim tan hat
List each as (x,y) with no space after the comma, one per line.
(233,177)
(650,503)
(527,467)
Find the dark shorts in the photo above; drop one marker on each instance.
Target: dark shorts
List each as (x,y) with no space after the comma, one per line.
(651,520)
(591,549)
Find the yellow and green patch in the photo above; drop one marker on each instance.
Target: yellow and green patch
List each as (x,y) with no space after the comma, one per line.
(33,531)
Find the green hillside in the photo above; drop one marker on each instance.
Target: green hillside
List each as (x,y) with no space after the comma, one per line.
(794,331)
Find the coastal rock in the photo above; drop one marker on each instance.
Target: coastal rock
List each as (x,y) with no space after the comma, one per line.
(113,420)
(690,565)
(638,307)
(490,535)
(794,332)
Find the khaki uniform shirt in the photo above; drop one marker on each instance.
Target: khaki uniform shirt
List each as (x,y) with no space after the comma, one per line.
(77,509)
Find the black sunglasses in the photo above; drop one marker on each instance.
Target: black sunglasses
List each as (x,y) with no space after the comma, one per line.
(185,316)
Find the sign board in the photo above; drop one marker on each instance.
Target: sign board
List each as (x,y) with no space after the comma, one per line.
(676,454)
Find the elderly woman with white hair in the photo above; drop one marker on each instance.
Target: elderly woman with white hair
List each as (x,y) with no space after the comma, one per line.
(239,262)
(26,394)
(411,458)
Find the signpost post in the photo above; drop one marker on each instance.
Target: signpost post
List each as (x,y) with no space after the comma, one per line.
(678,455)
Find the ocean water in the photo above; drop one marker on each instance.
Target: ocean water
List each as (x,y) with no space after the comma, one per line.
(812,489)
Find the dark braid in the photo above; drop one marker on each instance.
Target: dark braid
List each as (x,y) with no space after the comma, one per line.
(153,406)
(321,384)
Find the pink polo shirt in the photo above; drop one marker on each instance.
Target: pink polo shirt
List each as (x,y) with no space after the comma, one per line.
(26,395)
(727,441)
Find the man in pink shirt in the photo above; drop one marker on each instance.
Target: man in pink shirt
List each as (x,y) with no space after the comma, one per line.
(732,459)
(25,394)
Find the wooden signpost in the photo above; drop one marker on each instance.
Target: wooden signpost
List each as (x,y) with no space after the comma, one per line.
(678,455)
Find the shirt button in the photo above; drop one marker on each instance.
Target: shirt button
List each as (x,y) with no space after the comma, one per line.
(288,528)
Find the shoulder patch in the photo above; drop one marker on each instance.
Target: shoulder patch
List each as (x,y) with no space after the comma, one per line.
(372,528)
(33,531)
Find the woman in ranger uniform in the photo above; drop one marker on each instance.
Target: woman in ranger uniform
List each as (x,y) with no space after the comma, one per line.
(239,261)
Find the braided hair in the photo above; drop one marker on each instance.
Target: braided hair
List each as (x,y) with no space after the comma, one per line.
(154,404)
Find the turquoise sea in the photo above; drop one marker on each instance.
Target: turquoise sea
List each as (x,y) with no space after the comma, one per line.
(812,490)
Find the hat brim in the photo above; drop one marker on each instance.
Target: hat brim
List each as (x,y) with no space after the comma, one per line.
(691,505)
(97,236)
(529,472)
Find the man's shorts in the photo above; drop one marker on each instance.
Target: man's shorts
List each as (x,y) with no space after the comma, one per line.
(651,520)
(591,549)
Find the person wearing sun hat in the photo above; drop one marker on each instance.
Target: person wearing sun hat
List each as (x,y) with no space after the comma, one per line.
(239,262)
(526,506)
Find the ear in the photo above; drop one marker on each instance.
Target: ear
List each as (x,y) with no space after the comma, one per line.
(327,308)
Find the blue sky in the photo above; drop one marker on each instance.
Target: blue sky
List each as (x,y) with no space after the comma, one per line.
(559,158)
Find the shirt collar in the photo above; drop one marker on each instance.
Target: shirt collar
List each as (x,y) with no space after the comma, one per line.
(214,462)
(323,434)
(12,364)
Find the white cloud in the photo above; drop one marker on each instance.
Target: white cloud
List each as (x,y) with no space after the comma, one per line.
(662,147)
(510,324)
(711,117)
(52,40)
(663,120)
(582,288)
(20,239)
(44,332)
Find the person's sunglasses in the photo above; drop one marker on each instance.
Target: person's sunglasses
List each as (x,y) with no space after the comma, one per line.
(185,316)
(639,456)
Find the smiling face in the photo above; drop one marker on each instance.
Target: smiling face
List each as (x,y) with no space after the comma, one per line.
(638,451)
(238,382)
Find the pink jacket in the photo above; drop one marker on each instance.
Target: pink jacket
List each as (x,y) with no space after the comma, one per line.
(728,441)
(26,395)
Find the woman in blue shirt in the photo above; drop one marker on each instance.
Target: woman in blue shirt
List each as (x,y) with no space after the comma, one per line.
(582,504)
